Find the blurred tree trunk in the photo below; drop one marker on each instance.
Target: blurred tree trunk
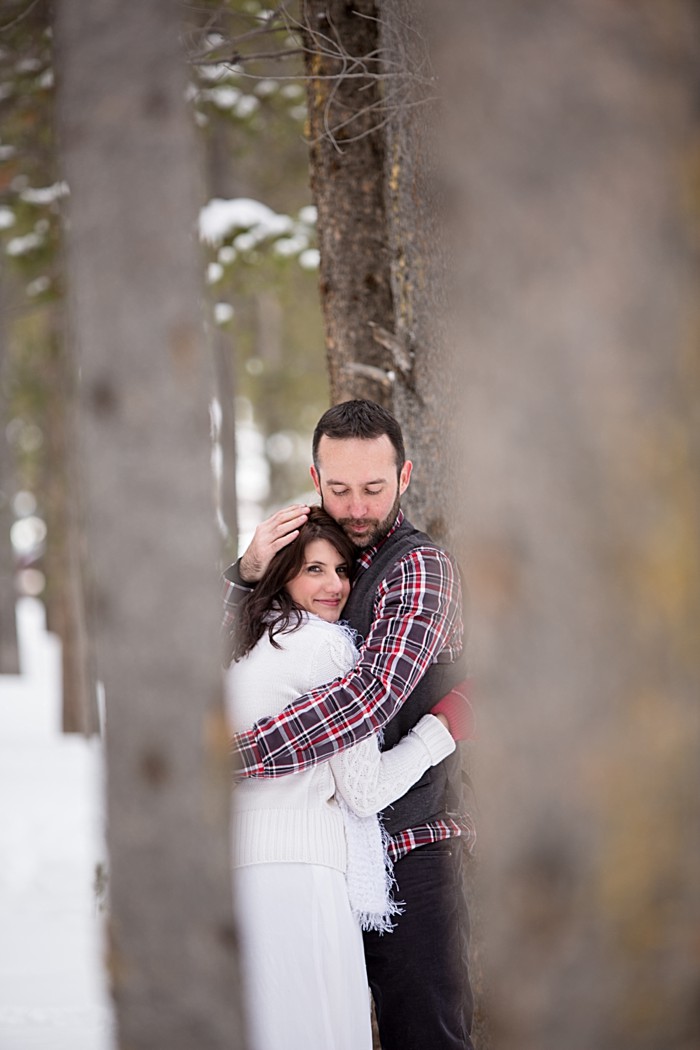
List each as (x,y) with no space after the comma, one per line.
(224,435)
(423,394)
(129,154)
(575,133)
(220,178)
(9,658)
(43,385)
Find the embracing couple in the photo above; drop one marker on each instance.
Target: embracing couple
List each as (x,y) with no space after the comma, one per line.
(343,627)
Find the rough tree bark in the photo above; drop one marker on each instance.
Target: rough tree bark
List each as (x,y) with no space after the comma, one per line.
(376,184)
(129,157)
(347,181)
(575,133)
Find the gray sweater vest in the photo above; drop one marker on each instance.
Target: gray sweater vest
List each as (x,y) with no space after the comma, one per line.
(438,792)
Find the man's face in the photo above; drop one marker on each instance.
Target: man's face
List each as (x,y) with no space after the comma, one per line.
(358,486)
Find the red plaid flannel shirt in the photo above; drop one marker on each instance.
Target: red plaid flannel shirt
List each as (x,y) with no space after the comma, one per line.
(417,619)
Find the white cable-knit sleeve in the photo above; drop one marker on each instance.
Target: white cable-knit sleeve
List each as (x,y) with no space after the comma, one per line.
(370,779)
(331,657)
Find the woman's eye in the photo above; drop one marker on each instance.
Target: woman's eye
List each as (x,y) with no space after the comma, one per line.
(342,570)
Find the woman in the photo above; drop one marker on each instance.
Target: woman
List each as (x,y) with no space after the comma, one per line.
(311,869)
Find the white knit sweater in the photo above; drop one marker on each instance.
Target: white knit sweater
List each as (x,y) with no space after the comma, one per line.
(297,817)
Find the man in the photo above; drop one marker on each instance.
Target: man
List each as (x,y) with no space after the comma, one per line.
(406,604)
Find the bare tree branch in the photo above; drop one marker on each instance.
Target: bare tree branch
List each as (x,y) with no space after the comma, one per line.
(376,66)
(23,14)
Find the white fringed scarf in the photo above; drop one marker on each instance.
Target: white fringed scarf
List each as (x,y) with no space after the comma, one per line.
(370,873)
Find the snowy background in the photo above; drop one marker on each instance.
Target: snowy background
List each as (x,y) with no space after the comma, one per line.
(53,993)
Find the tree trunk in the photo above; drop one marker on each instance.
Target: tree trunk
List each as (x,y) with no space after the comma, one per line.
(65,568)
(220,178)
(347,181)
(574,130)
(376,184)
(224,435)
(129,159)
(423,394)
(9,658)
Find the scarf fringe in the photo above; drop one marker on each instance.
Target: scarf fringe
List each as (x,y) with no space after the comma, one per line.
(370,872)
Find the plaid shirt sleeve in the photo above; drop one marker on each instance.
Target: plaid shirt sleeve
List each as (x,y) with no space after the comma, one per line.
(233,593)
(418,617)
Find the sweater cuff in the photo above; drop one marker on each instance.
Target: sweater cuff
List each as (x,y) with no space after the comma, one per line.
(437,740)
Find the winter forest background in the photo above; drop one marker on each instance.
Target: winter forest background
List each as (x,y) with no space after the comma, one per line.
(216,219)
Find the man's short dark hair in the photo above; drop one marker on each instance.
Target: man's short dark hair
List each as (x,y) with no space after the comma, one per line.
(359,419)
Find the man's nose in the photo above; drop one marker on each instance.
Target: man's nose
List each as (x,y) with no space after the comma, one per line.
(358,507)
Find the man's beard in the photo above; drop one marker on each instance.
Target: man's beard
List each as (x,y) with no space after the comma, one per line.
(377,530)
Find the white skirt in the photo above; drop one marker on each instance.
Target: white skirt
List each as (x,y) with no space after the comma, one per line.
(304,975)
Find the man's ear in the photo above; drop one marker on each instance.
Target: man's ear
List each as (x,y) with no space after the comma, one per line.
(405,476)
(315,478)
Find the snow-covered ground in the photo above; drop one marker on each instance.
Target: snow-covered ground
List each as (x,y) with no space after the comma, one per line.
(53,993)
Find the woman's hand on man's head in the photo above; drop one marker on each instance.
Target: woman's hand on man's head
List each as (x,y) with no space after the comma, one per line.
(269,537)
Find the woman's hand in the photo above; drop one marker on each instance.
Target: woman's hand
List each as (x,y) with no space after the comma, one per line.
(269,537)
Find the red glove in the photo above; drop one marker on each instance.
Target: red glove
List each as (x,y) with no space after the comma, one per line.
(458,711)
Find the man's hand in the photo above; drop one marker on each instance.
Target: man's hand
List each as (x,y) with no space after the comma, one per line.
(269,537)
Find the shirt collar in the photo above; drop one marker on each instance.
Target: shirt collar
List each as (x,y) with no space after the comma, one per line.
(365,558)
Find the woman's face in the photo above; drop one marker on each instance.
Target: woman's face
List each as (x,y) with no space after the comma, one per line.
(322,586)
